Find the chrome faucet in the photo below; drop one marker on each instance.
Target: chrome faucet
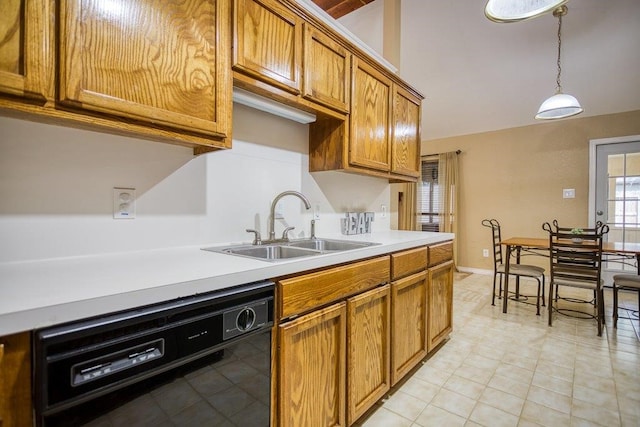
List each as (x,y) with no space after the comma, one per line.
(272,218)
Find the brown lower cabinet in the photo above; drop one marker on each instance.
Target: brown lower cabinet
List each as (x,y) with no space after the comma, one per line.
(409,323)
(368,360)
(346,334)
(440,303)
(15,380)
(312,374)
(333,360)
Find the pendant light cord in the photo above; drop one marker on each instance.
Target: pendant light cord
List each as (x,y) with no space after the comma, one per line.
(558,86)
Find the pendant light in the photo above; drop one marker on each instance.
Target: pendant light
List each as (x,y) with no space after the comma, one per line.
(560,105)
(519,10)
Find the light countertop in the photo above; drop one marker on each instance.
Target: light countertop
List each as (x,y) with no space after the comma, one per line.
(35,294)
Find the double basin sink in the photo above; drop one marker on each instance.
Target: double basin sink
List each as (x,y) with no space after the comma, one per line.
(292,249)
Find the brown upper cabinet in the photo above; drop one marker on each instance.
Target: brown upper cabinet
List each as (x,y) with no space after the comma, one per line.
(157,62)
(157,70)
(370,109)
(268,43)
(381,136)
(165,71)
(405,135)
(327,70)
(26,49)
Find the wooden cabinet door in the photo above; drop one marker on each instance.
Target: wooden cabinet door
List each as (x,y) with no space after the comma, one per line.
(267,43)
(405,142)
(15,380)
(312,373)
(370,102)
(440,303)
(159,62)
(26,50)
(327,70)
(368,364)
(408,323)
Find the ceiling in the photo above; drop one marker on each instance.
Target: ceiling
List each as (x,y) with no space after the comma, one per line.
(339,8)
(480,76)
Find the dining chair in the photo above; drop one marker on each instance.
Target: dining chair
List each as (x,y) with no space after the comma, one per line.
(628,282)
(592,230)
(576,265)
(516,270)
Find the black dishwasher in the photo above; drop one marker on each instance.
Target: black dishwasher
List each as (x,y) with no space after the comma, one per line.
(199,360)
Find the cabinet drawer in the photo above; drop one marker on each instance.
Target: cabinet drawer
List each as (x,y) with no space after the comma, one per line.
(408,262)
(303,293)
(440,253)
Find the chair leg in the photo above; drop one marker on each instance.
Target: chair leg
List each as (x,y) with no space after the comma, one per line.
(550,307)
(602,303)
(538,299)
(615,306)
(543,285)
(599,309)
(493,295)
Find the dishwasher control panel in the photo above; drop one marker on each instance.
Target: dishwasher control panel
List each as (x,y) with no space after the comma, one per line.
(246,318)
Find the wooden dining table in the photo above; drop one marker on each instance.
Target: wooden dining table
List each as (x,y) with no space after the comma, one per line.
(539,244)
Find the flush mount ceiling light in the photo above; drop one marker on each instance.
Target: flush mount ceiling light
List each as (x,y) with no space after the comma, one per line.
(519,10)
(559,105)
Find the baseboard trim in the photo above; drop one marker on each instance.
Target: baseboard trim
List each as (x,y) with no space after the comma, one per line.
(475,271)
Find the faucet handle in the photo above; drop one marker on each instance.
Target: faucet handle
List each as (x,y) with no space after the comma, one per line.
(257,240)
(285,232)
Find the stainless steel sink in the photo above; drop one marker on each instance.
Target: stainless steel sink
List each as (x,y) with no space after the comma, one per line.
(292,249)
(266,252)
(328,245)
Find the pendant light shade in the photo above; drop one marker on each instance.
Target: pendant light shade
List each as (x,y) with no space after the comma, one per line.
(519,10)
(560,105)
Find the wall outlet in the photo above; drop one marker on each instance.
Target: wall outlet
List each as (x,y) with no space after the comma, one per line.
(383,211)
(124,203)
(569,193)
(485,253)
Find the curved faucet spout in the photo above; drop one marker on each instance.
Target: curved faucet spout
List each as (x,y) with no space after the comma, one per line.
(272,217)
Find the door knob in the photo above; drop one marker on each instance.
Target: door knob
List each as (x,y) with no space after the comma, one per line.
(599,212)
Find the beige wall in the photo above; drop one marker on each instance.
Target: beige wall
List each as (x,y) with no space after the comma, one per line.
(517,176)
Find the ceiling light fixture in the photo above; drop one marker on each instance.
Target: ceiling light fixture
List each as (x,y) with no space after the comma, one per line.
(519,10)
(559,105)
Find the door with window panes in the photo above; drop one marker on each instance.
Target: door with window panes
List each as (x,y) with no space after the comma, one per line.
(618,194)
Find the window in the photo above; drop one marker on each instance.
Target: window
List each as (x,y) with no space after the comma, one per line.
(429,204)
(627,195)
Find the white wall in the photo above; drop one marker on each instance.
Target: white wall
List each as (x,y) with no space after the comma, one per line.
(367,24)
(56,189)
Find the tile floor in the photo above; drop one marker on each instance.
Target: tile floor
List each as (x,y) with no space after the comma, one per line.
(513,370)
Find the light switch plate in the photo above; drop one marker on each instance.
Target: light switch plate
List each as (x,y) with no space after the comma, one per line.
(569,193)
(124,203)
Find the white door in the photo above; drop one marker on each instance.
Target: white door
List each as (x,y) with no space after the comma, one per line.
(617,193)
